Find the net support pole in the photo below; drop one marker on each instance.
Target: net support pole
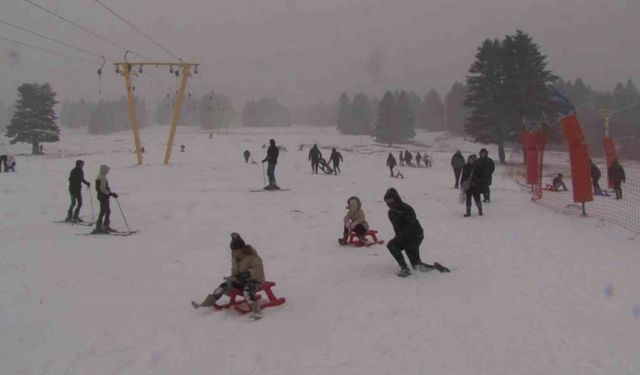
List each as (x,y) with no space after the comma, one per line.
(133,117)
(176,112)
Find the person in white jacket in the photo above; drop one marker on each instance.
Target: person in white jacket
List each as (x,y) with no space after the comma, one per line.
(104,193)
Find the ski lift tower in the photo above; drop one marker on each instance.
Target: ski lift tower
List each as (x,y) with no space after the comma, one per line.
(182,69)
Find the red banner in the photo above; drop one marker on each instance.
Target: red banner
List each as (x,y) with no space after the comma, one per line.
(572,131)
(530,157)
(581,173)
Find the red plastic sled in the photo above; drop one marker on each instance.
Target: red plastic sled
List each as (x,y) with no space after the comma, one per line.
(239,303)
(355,241)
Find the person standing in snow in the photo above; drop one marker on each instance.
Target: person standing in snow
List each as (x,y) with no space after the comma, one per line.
(247,273)
(11,163)
(272,161)
(246,155)
(471,183)
(408,234)
(595,176)
(104,194)
(354,221)
(76,179)
(336,158)
(315,155)
(401,158)
(391,163)
(408,158)
(3,157)
(457,163)
(487,167)
(418,159)
(617,177)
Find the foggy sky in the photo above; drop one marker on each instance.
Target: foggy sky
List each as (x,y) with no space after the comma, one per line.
(302,51)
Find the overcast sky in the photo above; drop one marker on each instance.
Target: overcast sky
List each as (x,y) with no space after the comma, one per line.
(303,51)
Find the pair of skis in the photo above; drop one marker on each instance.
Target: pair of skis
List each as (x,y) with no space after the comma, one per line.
(112,233)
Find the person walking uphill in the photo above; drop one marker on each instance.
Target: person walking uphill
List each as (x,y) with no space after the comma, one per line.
(336,158)
(247,273)
(104,194)
(408,234)
(485,163)
(471,184)
(457,163)
(76,179)
(391,163)
(314,156)
(272,161)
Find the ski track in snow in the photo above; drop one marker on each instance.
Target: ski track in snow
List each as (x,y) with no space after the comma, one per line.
(531,291)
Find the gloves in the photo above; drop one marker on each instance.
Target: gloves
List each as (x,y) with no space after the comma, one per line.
(114,195)
(244,276)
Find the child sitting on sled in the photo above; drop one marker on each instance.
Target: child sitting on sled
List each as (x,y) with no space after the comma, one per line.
(247,273)
(354,221)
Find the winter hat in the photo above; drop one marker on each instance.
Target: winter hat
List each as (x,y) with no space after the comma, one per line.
(484,150)
(236,241)
(79,162)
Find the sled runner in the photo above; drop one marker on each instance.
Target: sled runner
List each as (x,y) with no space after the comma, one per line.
(239,303)
(355,241)
(325,166)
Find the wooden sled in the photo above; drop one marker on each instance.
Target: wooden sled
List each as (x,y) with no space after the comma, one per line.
(239,303)
(355,241)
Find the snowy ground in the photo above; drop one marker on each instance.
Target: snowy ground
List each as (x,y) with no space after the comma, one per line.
(532,291)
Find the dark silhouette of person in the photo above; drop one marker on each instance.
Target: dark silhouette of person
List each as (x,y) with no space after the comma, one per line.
(272,161)
(76,179)
(595,177)
(336,158)
(391,163)
(457,163)
(557,182)
(314,156)
(617,177)
(246,155)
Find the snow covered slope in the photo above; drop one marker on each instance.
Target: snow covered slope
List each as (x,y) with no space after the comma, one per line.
(531,292)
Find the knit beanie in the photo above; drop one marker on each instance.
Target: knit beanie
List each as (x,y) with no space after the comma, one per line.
(236,241)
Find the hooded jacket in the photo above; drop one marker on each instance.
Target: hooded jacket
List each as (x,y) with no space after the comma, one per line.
(249,262)
(616,173)
(356,217)
(102,184)
(457,160)
(76,178)
(403,218)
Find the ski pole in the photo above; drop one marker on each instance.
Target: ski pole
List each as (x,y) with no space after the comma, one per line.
(264,177)
(93,213)
(125,219)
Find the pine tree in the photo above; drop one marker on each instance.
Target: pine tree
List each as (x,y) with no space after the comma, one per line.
(434,111)
(361,113)
(34,120)
(345,115)
(419,113)
(405,117)
(456,111)
(102,120)
(387,120)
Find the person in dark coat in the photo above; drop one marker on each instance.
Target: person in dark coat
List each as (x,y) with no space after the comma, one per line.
(457,163)
(471,182)
(408,158)
(617,177)
(391,163)
(315,155)
(558,182)
(418,159)
(485,163)
(76,179)
(408,234)
(336,158)
(595,176)
(272,161)
(246,155)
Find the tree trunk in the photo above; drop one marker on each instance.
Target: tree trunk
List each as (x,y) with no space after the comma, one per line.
(35,148)
(501,154)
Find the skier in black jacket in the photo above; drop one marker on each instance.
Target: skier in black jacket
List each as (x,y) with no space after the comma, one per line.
(336,158)
(485,163)
(315,155)
(408,234)
(272,160)
(76,179)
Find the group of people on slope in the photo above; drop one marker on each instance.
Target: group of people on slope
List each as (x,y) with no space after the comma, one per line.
(7,160)
(615,174)
(406,158)
(474,178)
(315,156)
(104,193)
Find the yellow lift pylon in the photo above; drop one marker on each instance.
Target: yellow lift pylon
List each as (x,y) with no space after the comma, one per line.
(126,69)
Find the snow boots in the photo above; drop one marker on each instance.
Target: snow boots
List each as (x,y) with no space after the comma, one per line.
(404,272)
(422,267)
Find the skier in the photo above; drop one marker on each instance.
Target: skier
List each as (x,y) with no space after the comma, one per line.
(246,155)
(595,176)
(336,158)
(471,182)
(272,161)
(557,183)
(354,221)
(76,179)
(485,163)
(314,156)
(408,159)
(391,163)
(247,273)
(104,193)
(419,159)
(457,163)
(617,177)
(408,234)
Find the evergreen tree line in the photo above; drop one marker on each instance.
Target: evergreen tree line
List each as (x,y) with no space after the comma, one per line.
(265,112)
(211,111)
(5,116)
(102,117)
